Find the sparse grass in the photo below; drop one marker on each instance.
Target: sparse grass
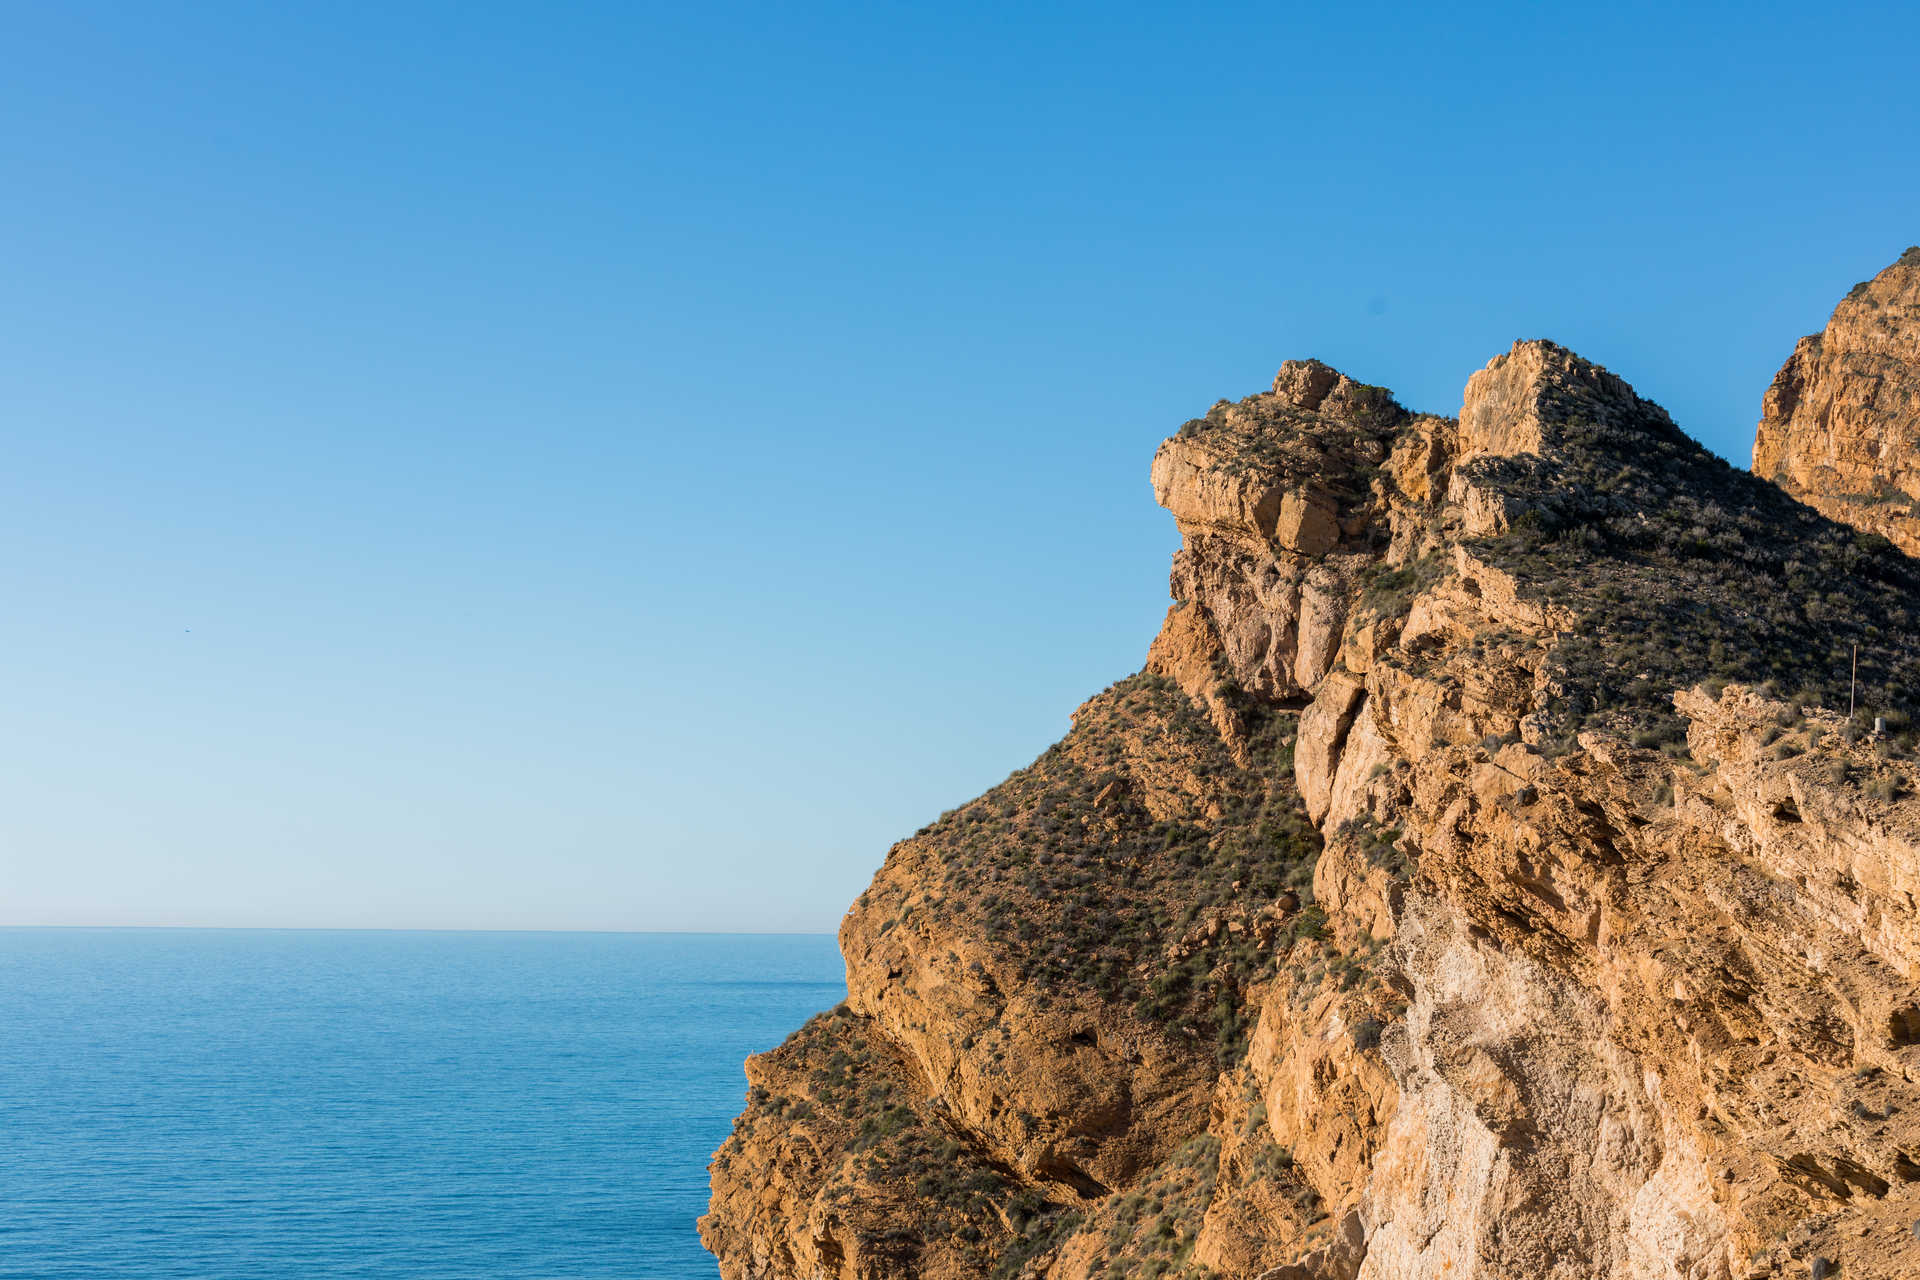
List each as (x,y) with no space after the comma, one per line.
(1067,868)
(1381,846)
(1391,592)
(879,1146)
(1151,1229)
(1683,570)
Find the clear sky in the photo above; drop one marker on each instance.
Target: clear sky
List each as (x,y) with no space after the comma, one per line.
(621,466)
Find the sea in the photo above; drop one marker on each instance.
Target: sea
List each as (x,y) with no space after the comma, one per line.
(246,1105)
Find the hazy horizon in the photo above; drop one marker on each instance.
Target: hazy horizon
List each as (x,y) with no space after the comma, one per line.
(321,928)
(620,469)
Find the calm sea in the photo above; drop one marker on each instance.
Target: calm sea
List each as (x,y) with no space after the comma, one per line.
(439,1105)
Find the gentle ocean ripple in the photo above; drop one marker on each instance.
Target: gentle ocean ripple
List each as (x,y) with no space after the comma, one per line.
(232,1105)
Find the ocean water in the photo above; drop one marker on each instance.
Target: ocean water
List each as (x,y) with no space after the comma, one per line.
(239,1104)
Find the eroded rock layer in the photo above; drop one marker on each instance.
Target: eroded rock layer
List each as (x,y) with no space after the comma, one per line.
(1484,878)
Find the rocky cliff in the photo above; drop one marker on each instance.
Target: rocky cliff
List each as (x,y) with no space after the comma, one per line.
(1841,425)
(1483,878)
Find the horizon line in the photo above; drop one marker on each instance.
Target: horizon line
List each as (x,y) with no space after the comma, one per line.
(300,928)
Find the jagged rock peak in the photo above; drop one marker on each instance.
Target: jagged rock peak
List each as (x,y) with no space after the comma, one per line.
(1313,387)
(1305,383)
(1525,400)
(1285,466)
(1840,426)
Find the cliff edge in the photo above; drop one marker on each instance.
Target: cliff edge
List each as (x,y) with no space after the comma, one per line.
(1484,877)
(1840,426)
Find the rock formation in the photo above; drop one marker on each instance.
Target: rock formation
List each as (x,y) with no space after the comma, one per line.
(1840,427)
(1484,878)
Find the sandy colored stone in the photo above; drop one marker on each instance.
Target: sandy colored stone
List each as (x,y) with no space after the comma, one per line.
(1582,1003)
(1524,399)
(1840,426)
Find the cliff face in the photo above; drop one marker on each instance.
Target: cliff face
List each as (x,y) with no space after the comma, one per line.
(1482,879)
(1840,427)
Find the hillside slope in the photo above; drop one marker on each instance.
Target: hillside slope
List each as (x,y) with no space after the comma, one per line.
(1482,879)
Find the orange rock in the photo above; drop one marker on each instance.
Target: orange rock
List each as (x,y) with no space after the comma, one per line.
(1840,426)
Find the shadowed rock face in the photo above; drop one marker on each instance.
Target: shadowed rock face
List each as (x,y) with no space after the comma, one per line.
(1481,880)
(1840,426)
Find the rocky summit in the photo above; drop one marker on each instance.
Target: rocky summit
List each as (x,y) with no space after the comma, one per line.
(1500,868)
(1841,425)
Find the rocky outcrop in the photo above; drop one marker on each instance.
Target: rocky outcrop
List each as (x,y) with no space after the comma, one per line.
(1271,498)
(1840,426)
(1484,879)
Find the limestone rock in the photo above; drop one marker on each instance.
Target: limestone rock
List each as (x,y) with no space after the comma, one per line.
(1840,426)
(1529,399)
(1484,880)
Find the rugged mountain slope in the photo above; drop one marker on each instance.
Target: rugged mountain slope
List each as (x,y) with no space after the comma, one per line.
(1841,424)
(1482,880)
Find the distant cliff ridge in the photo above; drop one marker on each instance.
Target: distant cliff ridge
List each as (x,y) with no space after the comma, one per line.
(1841,424)
(1483,878)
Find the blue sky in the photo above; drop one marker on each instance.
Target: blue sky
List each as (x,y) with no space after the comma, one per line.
(621,466)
